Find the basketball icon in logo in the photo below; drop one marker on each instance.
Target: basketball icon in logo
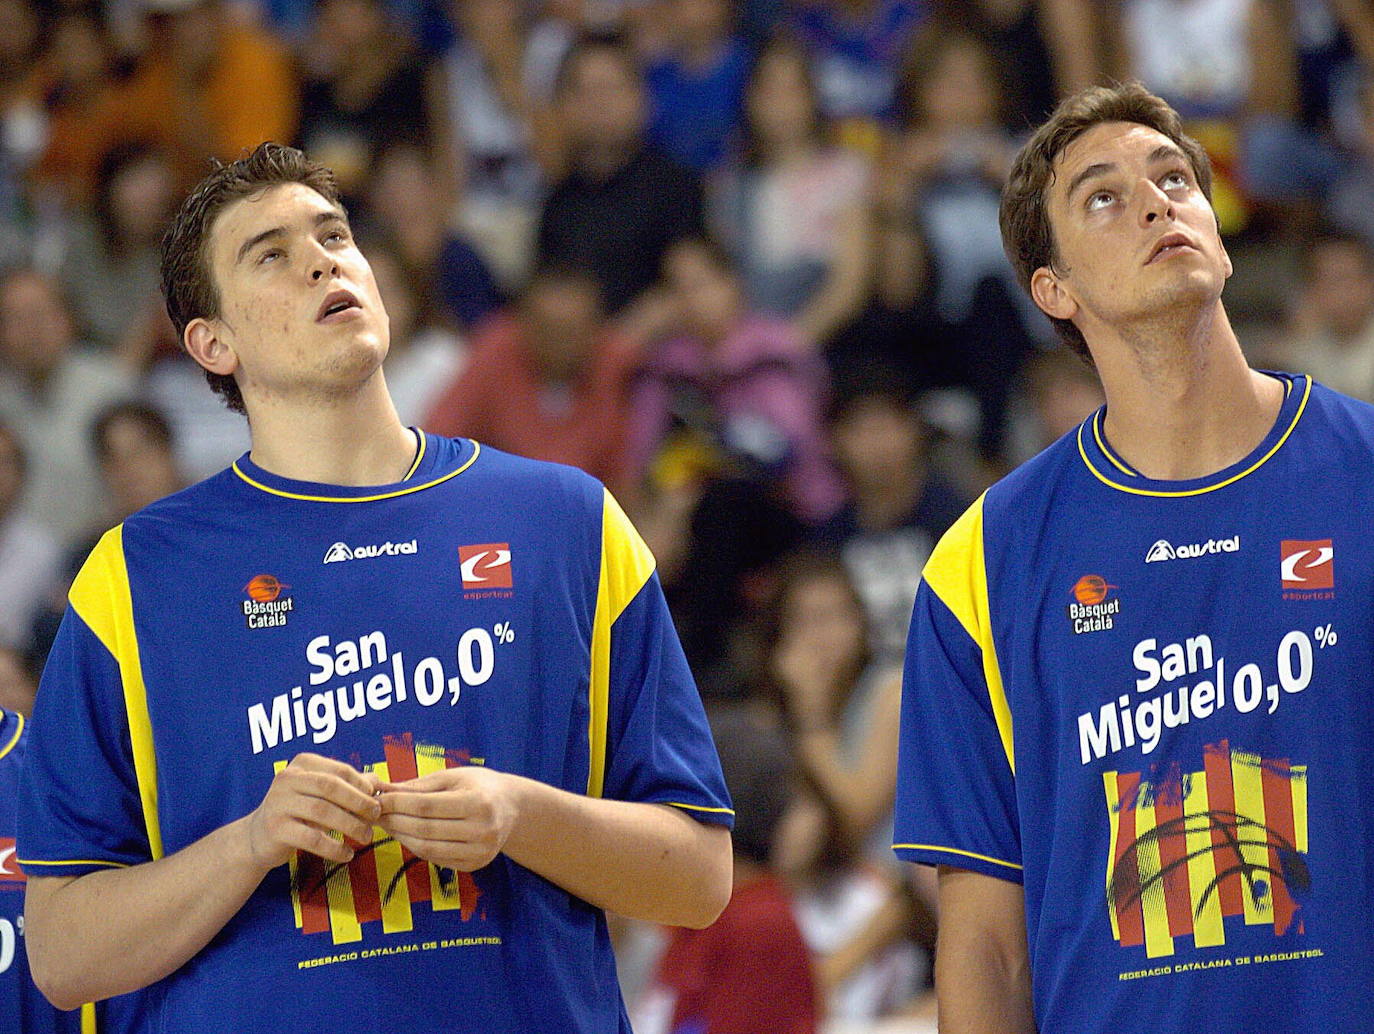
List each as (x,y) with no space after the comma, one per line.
(264,588)
(1090,589)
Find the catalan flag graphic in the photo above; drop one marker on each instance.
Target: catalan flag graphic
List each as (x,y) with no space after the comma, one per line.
(1192,851)
(384,882)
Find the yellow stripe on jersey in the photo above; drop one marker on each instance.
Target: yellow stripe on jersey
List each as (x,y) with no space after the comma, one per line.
(1299,783)
(430,759)
(958,851)
(626,565)
(88,1018)
(101,597)
(1209,930)
(1150,874)
(5,748)
(1170,494)
(956,572)
(1109,785)
(1247,776)
(476,449)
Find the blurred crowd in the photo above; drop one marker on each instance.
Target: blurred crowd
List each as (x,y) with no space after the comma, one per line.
(740,260)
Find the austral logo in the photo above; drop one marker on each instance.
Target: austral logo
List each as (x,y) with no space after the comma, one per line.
(265,606)
(1308,569)
(1093,606)
(1164,550)
(341,551)
(486,570)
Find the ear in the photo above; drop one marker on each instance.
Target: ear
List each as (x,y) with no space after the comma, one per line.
(1051,295)
(203,342)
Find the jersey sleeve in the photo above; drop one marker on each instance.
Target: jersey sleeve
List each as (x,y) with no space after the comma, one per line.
(956,794)
(656,746)
(80,806)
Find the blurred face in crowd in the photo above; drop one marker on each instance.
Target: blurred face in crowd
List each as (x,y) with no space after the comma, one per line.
(18,36)
(190,35)
(602,102)
(1341,287)
(821,610)
(79,53)
(563,321)
(697,22)
(11,472)
(346,25)
(36,331)
(142,198)
(299,315)
(708,297)
(137,465)
(780,106)
(959,92)
(878,444)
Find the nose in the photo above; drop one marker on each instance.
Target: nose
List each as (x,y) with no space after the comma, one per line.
(1155,203)
(322,263)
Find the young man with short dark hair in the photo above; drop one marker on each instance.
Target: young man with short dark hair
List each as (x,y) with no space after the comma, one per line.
(1136,710)
(366,731)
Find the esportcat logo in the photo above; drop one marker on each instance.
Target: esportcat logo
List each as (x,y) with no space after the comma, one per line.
(1163,550)
(341,551)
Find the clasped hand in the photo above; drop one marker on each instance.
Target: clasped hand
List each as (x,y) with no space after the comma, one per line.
(458,818)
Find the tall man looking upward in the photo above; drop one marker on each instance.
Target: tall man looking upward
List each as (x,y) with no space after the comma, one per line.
(1136,720)
(364,732)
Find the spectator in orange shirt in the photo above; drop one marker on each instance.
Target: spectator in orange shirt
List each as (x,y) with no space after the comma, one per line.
(209,85)
(548,381)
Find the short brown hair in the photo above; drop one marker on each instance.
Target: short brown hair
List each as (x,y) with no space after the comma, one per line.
(188,282)
(1027,234)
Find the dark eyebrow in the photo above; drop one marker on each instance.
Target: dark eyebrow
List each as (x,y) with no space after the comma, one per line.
(1160,153)
(332,215)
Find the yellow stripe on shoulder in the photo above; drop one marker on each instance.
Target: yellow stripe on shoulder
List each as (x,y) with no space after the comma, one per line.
(957,573)
(626,565)
(102,598)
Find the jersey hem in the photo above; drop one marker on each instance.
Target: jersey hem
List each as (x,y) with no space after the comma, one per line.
(937,854)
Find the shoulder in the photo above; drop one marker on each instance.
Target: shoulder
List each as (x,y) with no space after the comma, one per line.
(538,484)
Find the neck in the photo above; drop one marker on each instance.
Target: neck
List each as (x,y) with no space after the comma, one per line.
(355,440)
(1181,400)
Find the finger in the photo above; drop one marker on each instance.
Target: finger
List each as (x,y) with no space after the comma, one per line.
(457,831)
(329,787)
(455,804)
(324,815)
(445,779)
(305,837)
(462,857)
(363,782)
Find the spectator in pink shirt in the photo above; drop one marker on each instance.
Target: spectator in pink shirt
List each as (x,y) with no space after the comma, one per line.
(745,389)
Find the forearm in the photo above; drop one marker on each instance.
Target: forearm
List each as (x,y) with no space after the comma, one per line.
(982,964)
(645,861)
(980,990)
(113,931)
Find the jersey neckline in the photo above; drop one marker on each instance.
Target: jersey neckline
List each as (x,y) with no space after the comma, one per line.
(1108,467)
(432,466)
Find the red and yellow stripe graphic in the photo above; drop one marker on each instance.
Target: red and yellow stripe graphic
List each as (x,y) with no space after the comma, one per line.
(1190,850)
(381,884)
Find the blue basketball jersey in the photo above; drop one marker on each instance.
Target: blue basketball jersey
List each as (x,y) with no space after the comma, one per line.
(489,610)
(1151,704)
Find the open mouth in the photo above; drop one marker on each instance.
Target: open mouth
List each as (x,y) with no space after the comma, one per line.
(335,303)
(1169,244)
